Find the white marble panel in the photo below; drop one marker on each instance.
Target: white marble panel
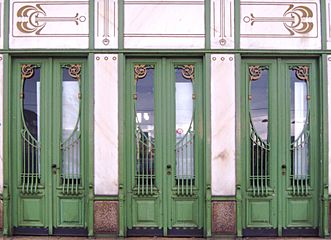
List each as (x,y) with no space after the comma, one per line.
(223,162)
(106,124)
(328,22)
(164,24)
(106,24)
(280,24)
(1,23)
(48,24)
(329,112)
(222,24)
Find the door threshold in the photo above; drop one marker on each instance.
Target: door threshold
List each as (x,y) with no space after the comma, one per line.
(30,231)
(144,232)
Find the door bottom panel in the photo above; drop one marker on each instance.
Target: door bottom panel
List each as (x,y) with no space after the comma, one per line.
(262,232)
(185,232)
(25,231)
(304,232)
(70,231)
(140,232)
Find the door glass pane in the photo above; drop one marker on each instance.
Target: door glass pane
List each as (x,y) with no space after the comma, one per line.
(299,123)
(70,143)
(30,127)
(184,127)
(259,115)
(145,146)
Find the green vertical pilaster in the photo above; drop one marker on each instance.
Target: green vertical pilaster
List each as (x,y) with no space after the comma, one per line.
(324,186)
(207,24)
(91,24)
(238,141)
(120,24)
(237,24)
(323,9)
(89,118)
(207,144)
(121,146)
(6,150)
(6,24)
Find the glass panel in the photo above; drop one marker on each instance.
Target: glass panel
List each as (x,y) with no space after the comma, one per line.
(184,128)
(259,105)
(70,144)
(259,110)
(30,132)
(144,129)
(299,123)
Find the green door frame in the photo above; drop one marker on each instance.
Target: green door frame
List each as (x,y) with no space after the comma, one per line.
(123,150)
(86,122)
(321,149)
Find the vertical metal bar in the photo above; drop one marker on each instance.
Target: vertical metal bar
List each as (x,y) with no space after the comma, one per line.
(177,169)
(29,149)
(78,165)
(24,159)
(192,163)
(262,167)
(258,158)
(182,164)
(137,167)
(32,168)
(186,167)
(151,165)
(253,163)
(266,169)
(147,167)
(143,166)
(68,167)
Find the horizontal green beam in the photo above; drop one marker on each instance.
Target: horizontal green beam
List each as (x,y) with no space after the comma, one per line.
(105,198)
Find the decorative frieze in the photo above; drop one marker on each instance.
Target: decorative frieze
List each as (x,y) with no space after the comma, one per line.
(106,24)
(222,24)
(280,24)
(49,24)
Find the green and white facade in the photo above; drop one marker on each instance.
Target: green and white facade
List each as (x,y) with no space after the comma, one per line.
(165,117)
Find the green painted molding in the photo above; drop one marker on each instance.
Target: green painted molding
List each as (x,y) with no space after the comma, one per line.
(91,24)
(120,24)
(223,198)
(6,22)
(237,24)
(106,198)
(207,24)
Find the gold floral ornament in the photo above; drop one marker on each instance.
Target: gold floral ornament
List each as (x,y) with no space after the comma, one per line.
(256,71)
(74,71)
(301,72)
(140,71)
(27,71)
(188,71)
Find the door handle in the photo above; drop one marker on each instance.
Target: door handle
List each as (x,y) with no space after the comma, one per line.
(283,169)
(168,169)
(54,168)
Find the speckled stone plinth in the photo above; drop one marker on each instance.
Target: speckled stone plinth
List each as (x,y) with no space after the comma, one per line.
(224,217)
(106,217)
(329,216)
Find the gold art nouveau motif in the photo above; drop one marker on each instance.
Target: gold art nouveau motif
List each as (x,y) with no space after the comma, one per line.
(301,72)
(295,19)
(256,71)
(187,71)
(140,71)
(27,71)
(74,71)
(33,19)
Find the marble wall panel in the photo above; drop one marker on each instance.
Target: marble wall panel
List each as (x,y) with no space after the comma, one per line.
(223,163)
(328,22)
(280,24)
(105,217)
(1,23)
(106,124)
(223,217)
(164,24)
(48,24)
(106,24)
(222,24)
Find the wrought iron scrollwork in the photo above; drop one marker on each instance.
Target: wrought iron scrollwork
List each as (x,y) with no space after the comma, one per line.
(301,72)
(74,70)
(187,71)
(256,71)
(140,71)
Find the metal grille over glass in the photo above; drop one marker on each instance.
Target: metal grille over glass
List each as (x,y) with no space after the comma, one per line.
(144,133)
(30,132)
(184,129)
(260,146)
(70,144)
(299,129)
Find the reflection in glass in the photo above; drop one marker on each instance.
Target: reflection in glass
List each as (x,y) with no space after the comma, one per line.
(70,143)
(184,130)
(145,146)
(30,132)
(299,127)
(259,77)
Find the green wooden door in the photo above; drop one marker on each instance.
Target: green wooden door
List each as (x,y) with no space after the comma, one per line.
(164,163)
(48,138)
(281,161)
